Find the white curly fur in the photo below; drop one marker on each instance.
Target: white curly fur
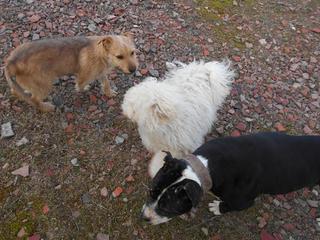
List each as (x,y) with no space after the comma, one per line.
(176,113)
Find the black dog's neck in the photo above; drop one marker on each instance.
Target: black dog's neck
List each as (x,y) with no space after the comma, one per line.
(201,171)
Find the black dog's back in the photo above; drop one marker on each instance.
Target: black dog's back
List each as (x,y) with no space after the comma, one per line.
(270,163)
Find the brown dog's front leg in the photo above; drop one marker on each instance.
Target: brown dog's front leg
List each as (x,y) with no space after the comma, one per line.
(107,88)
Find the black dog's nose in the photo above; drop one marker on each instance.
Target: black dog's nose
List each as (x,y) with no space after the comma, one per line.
(132,69)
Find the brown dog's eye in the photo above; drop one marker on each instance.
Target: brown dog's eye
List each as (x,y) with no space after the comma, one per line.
(132,53)
(120,57)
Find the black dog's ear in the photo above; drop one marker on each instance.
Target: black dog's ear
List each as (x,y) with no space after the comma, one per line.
(194,192)
(168,158)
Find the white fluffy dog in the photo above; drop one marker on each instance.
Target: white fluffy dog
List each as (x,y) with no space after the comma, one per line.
(176,113)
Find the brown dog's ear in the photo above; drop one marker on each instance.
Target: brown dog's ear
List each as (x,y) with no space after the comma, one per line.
(106,42)
(128,35)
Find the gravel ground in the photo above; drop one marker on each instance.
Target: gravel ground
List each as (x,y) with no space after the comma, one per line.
(85,166)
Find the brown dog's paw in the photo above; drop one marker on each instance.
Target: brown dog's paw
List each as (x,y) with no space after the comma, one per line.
(110,93)
(80,88)
(47,107)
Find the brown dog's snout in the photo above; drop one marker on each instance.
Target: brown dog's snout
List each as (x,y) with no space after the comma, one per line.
(132,68)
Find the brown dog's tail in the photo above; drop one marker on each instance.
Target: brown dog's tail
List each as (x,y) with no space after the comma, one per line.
(16,89)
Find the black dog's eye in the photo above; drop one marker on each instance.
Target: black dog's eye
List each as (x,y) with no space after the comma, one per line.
(132,53)
(120,57)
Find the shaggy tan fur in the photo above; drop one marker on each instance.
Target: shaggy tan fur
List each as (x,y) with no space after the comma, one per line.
(32,67)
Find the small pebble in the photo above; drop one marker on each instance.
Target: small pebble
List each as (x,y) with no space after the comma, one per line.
(35,37)
(276,202)
(21,15)
(119,140)
(102,236)
(21,233)
(22,141)
(305,75)
(138,74)
(262,41)
(154,73)
(85,198)
(287,206)
(92,27)
(249,45)
(262,222)
(117,192)
(134,162)
(6,130)
(75,214)
(104,192)
(205,231)
(313,203)
(6,165)
(75,162)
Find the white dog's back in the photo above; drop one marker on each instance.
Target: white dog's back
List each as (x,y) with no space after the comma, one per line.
(175,114)
(198,75)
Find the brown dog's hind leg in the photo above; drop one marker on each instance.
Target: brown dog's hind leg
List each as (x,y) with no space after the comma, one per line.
(42,106)
(39,87)
(15,93)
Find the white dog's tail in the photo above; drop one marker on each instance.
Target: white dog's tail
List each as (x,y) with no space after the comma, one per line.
(221,78)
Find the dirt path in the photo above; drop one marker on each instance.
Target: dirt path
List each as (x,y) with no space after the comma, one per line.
(275,48)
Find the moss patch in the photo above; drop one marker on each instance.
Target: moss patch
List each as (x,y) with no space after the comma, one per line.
(219,6)
(24,216)
(214,10)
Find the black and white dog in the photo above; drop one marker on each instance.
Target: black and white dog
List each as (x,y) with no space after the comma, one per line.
(235,169)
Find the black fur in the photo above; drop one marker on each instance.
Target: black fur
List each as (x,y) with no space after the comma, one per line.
(179,199)
(241,168)
(266,163)
(168,174)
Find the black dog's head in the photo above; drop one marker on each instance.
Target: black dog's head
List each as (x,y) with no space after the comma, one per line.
(175,190)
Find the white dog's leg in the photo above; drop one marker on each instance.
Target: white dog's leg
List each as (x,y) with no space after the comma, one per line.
(156,163)
(215,207)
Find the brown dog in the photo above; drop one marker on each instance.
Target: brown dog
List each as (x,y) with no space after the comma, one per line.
(36,64)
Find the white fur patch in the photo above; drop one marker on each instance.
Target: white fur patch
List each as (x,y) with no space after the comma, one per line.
(156,163)
(176,113)
(215,207)
(203,160)
(188,173)
(149,212)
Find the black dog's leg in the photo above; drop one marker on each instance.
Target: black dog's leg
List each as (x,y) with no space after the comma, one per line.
(220,207)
